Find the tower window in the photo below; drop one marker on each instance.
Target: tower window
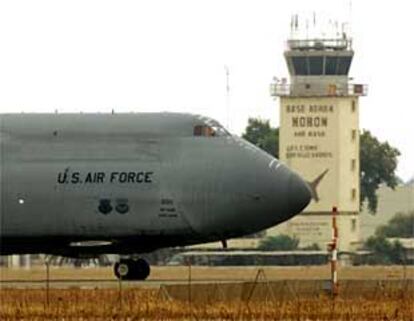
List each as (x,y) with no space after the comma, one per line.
(316,65)
(344,64)
(354,134)
(353,106)
(300,65)
(353,194)
(353,164)
(331,65)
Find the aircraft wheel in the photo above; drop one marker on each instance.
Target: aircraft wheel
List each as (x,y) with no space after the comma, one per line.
(132,269)
(122,270)
(141,269)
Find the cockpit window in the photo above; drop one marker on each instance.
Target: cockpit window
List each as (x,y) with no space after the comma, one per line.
(213,130)
(204,130)
(221,131)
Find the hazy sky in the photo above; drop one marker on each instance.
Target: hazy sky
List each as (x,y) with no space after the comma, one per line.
(171,55)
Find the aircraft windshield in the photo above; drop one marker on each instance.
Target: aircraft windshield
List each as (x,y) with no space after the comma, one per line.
(210,130)
(208,127)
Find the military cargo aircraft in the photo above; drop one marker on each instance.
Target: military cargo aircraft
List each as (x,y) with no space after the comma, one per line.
(82,185)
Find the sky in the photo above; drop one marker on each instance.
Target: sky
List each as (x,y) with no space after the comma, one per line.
(160,55)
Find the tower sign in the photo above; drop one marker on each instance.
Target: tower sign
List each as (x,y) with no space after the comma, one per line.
(319,135)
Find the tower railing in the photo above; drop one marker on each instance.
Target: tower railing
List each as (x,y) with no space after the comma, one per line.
(320,44)
(285,89)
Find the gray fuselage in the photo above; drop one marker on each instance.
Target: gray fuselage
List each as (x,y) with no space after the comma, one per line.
(131,183)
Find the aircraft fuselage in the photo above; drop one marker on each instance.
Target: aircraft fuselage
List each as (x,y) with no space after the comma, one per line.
(128,183)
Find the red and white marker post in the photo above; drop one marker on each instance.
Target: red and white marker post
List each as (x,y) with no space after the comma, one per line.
(334,252)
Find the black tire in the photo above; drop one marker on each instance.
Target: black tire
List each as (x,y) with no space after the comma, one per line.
(141,269)
(132,269)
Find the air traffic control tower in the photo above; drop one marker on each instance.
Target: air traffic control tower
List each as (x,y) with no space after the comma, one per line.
(319,136)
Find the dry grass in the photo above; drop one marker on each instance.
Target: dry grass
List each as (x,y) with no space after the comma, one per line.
(274,300)
(140,304)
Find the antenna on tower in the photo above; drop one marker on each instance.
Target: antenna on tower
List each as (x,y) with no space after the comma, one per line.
(227,70)
(350,19)
(296,22)
(336,28)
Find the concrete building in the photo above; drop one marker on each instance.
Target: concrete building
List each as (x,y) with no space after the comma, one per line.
(319,136)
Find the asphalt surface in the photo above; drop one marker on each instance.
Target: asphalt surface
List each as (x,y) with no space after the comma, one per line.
(104,283)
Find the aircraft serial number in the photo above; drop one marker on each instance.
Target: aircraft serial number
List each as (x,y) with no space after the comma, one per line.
(102,177)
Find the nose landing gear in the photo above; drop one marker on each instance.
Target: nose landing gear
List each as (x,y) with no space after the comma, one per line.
(129,269)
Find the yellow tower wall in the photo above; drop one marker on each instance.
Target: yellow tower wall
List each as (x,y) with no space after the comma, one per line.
(319,134)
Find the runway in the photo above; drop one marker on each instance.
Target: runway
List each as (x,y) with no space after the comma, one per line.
(105,283)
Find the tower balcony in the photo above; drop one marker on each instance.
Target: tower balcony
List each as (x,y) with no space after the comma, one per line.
(334,44)
(317,90)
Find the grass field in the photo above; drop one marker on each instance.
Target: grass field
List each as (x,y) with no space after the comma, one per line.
(139,304)
(285,293)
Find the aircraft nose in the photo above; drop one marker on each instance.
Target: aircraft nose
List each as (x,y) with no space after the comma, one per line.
(299,194)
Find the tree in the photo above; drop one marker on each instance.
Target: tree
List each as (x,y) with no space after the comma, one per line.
(401,225)
(279,243)
(383,251)
(378,164)
(378,161)
(260,133)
